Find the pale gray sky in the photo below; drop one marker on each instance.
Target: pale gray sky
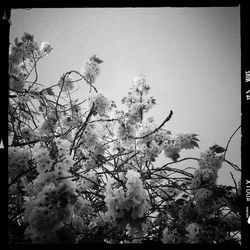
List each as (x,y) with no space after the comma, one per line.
(190,56)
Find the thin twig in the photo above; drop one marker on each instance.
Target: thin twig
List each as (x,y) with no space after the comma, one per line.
(167,119)
(230,140)
(235,184)
(232,165)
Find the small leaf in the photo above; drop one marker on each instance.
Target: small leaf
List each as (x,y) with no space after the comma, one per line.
(173,211)
(195,139)
(185,196)
(175,156)
(219,150)
(153,101)
(193,135)
(124,99)
(96,59)
(50,91)
(195,144)
(180,202)
(214,147)
(175,185)
(16,41)
(150,119)
(101,158)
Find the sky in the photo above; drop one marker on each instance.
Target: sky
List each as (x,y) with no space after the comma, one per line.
(190,57)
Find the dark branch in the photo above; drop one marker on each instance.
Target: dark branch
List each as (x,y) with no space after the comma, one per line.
(166,120)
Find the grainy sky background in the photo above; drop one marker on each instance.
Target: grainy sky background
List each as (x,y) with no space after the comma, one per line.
(190,56)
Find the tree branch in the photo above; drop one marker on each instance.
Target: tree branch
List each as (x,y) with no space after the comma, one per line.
(166,120)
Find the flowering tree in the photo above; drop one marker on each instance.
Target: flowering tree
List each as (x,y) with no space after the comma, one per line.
(83,171)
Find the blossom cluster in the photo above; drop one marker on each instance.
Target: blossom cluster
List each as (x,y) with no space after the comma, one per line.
(173,146)
(209,164)
(51,165)
(74,118)
(23,49)
(49,126)
(48,211)
(18,160)
(231,222)
(204,179)
(170,236)
(162,140)
(71,121)
(43,159)
(129,204)
(66,83)
(209,159)
(22,55)
(136,100)
(45,48)
(140,85)
(102,104)
(82,207)
(90,70)
(51,195)
(193,230)
(91,148)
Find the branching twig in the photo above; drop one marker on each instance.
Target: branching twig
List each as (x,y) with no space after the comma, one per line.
(167,119)
(90,84)
(81,130)
(232,165)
